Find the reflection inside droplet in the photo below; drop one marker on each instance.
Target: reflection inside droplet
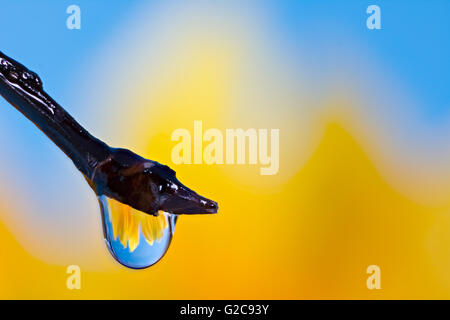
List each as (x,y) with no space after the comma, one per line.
(134,238)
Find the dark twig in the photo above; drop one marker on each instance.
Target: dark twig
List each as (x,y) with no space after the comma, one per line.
(117,173)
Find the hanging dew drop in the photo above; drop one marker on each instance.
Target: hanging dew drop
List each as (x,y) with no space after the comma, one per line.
(134,238)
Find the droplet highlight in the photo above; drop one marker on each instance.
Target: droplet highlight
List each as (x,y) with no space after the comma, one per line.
(135,239)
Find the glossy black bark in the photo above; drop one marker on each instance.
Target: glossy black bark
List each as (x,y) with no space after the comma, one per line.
(117,173)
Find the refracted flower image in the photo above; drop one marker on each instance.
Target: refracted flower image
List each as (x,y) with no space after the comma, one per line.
(129,223)
(136,239)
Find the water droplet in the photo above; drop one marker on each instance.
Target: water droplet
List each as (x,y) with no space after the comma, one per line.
(135,239)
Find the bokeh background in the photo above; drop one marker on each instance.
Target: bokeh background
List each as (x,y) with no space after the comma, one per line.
(364,146)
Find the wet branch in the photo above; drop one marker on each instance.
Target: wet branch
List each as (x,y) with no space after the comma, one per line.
(144,184)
